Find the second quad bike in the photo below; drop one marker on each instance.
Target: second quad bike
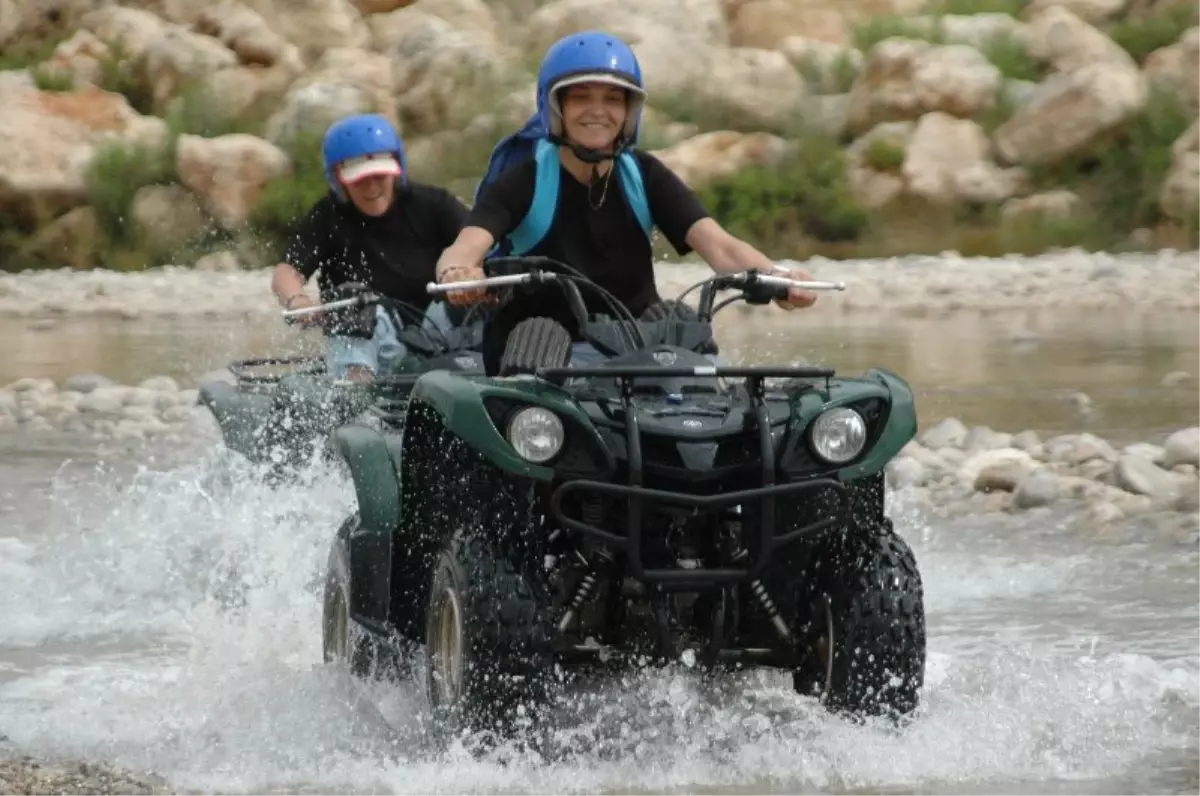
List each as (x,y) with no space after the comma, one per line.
(545,515)
(278,410)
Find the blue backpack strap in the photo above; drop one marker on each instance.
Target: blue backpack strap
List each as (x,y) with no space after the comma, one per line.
(540,215)
(635,191)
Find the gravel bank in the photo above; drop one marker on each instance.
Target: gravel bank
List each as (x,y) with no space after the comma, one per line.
(1165,280)
(27,775)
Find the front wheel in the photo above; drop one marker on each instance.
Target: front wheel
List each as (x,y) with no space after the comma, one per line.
(863,634)
(488,642)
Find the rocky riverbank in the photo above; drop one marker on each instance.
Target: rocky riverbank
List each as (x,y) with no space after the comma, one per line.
(1133,282)
(137,130)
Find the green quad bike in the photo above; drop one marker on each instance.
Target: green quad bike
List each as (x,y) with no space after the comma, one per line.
(282,409)
(656,506)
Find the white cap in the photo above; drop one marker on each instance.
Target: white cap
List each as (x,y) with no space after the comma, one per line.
(355,169)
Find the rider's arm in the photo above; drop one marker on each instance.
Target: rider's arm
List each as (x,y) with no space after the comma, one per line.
(725,253)
(303,256)
(500,207)
(288,285)
(467,251)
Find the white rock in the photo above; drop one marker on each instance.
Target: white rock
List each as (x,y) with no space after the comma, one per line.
(1153,453)
(904,79)
(86,382)
(1040,487)
(104,400)
(1182,447)
(1070,113)
(1142,477)
(945,433)
(999,469)
(160,384)
(904,472)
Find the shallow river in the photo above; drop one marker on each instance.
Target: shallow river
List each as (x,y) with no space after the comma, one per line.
(162,612)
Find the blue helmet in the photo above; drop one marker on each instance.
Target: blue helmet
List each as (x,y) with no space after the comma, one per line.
(591,56)
(357,137)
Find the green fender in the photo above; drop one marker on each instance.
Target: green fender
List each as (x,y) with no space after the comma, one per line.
(369,547)
(901,426)
(459,401)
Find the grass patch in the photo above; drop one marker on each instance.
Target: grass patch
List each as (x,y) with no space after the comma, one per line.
(969,7)
(48,79)
(884,154)
(835,76)
(1012,58)
(877,28)
(1140,37)
(27,52)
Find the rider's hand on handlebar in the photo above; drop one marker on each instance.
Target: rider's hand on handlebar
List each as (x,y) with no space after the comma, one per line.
(463,273)
(797,298)
(301,301)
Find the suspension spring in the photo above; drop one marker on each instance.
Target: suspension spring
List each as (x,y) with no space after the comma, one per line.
(760,591)
(582,592)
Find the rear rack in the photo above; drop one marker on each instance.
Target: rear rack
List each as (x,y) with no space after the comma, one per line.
(637,494)
(240,369)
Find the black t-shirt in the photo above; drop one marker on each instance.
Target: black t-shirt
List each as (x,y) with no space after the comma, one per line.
(395,254)
(606,244)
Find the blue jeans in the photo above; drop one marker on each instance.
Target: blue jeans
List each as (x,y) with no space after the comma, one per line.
(383,349)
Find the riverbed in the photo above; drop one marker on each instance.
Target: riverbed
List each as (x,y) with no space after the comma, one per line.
(161,607)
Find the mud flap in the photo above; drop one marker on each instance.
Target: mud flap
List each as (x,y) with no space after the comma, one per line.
(369,545)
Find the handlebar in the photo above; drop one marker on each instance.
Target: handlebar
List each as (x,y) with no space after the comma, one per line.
(340,304)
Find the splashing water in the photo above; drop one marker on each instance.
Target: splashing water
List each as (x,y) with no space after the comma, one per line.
(168,620)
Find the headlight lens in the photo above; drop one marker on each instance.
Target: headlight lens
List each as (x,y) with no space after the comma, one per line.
(838,435)
(536,434)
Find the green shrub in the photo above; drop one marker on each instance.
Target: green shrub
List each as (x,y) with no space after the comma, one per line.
(806,194)
(285,201)
(1120,181)
(1012,58)
(119,74)
(116,173)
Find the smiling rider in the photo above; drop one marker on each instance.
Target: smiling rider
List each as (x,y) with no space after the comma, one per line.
(376,228)
(588,198)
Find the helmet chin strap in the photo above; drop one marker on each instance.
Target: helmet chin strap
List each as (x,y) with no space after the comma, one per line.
(587,154)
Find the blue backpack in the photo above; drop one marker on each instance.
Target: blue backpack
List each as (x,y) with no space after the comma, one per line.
(532,142)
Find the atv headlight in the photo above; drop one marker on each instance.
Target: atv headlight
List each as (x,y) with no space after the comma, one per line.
(536,434)
(838,435)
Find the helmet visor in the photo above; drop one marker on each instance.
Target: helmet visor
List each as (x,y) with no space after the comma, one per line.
(608,78)
(355,169)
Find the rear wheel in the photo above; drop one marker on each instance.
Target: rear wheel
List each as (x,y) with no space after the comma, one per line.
(536,343)
(863,633)
(343,640)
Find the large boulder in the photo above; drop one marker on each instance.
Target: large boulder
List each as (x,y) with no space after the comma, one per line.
(716,155)
(229,172)
(314,26)
(1070,113)
(904,79)
(948,160)
(1177,66)
(445,75)
(699,20)
(1062,40)
(47,140)
(344,81)
(1179,196)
